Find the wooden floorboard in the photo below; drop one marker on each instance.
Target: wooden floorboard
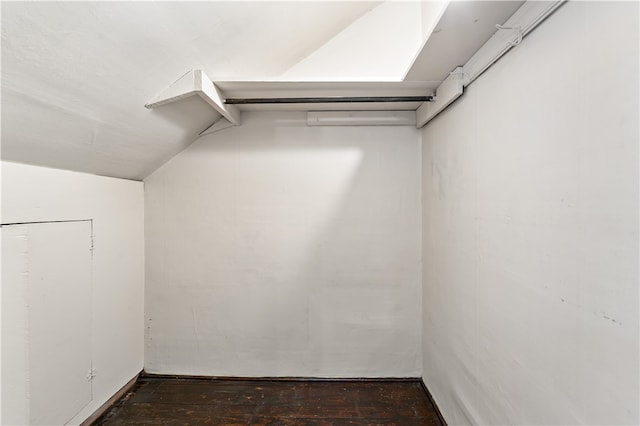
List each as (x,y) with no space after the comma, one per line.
(174,401)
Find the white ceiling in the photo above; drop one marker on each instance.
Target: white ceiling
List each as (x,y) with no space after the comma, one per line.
(463,28)
(76,75)
(379,46)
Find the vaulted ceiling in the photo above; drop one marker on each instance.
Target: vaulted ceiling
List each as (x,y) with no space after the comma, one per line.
(76,75)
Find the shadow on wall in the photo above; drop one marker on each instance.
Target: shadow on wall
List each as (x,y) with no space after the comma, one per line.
(276,249)
(187,118)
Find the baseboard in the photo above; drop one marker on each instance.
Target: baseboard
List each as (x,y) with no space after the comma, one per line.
(116,396)
(145,375)
(433,402)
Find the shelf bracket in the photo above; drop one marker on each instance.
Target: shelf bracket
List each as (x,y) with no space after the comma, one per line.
(196,82)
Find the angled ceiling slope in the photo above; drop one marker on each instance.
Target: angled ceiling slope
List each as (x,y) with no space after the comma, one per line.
(376,47)
(444,35)
(76,75)
(461,30)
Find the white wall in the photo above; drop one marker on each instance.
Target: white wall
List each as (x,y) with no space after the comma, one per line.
(116,206)
(379,46)
(530,230)
(276,249)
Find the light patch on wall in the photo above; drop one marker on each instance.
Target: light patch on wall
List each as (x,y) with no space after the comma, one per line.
(286,250)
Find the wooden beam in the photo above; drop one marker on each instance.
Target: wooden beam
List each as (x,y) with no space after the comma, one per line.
(510,34)
(180,89)
(215,98)
(196,82)
(450,89)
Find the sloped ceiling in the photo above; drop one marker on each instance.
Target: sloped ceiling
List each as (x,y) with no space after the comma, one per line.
(379,46)
(75,75)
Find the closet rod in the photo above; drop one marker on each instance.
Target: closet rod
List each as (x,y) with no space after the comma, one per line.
(328,100)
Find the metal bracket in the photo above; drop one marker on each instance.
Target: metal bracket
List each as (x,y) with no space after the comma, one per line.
(91,375)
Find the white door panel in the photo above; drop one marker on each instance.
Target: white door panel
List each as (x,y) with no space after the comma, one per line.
(53,263)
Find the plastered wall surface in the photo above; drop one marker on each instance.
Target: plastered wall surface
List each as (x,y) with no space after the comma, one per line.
(47,332)
(105,60)
(530,230)
(277,249)
(379,46)
(116,206)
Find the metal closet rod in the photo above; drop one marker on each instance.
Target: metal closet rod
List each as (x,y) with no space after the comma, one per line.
(328,100)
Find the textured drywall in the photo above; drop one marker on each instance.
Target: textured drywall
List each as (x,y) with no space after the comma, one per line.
(530,230)
(76,75)
(32,194)
(277,249)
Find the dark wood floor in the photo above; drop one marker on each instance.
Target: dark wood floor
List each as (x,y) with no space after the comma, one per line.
(175,401)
